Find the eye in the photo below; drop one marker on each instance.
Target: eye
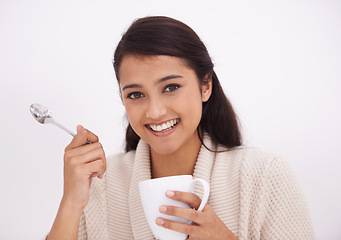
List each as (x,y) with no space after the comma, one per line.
(171,87)
(135,95)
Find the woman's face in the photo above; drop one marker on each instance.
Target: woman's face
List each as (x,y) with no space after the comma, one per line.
(163,100)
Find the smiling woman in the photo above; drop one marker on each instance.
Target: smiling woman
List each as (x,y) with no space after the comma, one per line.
(166,91)
(180,123)
(162,36)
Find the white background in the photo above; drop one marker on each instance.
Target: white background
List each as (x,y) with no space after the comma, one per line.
(278,61)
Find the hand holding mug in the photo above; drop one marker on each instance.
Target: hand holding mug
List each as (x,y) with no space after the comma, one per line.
(206,224)
(153,196)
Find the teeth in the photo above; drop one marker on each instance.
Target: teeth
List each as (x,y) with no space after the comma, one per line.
(164,126)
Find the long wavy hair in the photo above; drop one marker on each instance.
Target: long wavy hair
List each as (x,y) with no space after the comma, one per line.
(158,35)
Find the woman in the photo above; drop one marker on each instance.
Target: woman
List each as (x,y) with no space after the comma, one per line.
(180,122)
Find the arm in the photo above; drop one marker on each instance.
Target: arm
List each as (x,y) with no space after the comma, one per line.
(286,211)
(82,162)
(66,223)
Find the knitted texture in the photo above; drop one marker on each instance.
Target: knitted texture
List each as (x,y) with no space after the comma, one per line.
(255,194)
(82,233)
(272,203)
(96,225)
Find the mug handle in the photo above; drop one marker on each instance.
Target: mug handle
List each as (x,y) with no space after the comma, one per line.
(206,192)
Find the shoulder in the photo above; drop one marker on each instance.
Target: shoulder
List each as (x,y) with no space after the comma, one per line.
(255,163)
(247,155)
(264,170)
(258,159)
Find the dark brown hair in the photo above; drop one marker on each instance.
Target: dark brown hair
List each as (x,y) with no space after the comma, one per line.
(166,36)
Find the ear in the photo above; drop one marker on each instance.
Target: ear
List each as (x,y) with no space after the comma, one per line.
(206,90)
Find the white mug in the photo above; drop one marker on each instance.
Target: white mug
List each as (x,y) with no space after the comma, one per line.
(153,195)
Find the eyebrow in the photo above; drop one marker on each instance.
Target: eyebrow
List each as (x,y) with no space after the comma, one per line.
(161,80)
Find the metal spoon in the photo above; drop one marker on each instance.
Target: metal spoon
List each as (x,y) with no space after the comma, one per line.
(43,115)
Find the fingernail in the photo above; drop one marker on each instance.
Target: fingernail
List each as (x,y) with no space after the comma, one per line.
(160,221)
(163,209)
(170,193)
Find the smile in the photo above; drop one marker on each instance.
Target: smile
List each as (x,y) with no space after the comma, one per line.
(163,127)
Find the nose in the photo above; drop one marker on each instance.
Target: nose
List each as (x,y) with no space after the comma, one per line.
(156,109)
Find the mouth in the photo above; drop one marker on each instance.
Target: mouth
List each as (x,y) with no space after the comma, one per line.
(164,126)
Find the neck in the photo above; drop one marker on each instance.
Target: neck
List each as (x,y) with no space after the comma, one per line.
(180,162)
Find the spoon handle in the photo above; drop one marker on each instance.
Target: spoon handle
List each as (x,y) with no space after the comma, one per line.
(63,128)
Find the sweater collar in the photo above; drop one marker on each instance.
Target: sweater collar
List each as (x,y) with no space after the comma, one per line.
(142,171)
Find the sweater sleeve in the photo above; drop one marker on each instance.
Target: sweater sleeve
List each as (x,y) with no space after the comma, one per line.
(286,211)
(82,234)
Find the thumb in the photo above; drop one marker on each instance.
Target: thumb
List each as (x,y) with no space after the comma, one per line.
(79,128)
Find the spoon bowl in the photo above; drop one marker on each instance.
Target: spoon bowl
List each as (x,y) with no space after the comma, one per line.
(40,112)
(43,115)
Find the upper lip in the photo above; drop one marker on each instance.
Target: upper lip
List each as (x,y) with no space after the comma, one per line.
(160,123)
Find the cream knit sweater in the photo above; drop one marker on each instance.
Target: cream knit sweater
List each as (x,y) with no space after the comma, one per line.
(255,194)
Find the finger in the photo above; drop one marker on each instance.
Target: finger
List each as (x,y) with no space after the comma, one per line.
(81,138)
(79,128)
(90,156)
(191,198)
(94,168)
(83,150)
(176,226)
(186,213)
(83,131)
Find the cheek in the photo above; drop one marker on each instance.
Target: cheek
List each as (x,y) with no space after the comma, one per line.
(190,105)
(133,114)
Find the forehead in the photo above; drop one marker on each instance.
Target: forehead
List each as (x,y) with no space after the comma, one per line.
(137,67)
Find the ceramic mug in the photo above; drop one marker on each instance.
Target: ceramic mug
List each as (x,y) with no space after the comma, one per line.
(153,195)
